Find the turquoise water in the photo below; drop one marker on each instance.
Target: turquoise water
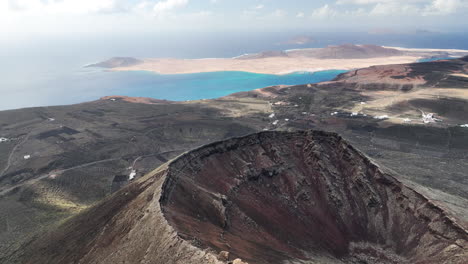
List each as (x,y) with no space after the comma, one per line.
(435,59)
(41,70)
(89,84)
(180,87)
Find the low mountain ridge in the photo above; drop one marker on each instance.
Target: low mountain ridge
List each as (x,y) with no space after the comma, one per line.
(347,51)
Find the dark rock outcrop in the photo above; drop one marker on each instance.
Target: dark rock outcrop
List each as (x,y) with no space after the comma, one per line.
(275,196)
(264,198)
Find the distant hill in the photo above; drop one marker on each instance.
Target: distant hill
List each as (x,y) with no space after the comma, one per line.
(347,51)
(263,55)
(117,62)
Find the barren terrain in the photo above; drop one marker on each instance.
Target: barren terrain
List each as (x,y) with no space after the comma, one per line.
(74,193)
(344,57)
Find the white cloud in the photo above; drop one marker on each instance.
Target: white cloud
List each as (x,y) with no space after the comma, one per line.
(442,7)
(259,7)
(61,7)
(324,12)
(392,8)
(370,2)
(162,7)
(279,13)
(300,15)
(404,7)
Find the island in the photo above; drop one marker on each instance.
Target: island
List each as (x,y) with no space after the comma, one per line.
(343,57)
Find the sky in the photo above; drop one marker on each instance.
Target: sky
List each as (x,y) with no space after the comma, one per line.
(54,17)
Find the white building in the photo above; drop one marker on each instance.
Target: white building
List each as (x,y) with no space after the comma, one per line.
(381,117)
(132,175)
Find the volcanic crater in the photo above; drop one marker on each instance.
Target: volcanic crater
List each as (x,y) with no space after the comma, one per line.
(303,197)
(273,197)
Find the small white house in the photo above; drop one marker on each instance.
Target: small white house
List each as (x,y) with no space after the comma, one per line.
(2,139)
(381,117)
(132,175)
(26,157)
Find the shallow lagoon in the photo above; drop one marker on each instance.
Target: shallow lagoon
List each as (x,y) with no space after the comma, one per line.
(180,87)
(89,84)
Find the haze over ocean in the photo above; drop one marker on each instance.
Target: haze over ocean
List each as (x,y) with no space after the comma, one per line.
(51,72)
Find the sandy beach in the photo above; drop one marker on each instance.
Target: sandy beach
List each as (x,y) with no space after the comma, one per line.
(344,57)
(274,65)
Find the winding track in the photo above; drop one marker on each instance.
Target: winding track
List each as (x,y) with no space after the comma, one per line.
(34,180)
(8,165)
(43,176)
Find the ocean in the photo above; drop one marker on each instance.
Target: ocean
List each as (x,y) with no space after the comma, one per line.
(435,59)
(49,70)
(181,87)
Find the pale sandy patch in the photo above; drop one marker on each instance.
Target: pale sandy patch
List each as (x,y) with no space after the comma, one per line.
(274,65)
(381,100)
(428,50)
(460,75)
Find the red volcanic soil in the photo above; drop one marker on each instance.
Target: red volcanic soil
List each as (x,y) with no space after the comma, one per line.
(277,196)
(393,74)
(271,197)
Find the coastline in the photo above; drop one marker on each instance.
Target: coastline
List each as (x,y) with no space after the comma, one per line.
(427,50)
(273,65)
(310,60)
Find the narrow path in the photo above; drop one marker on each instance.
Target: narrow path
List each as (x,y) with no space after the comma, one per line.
(43,176)
(10,157)
(155,154)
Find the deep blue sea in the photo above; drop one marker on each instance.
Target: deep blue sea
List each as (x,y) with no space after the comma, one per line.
(47,70)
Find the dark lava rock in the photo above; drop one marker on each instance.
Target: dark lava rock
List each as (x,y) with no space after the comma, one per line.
(325,200)
(269,197)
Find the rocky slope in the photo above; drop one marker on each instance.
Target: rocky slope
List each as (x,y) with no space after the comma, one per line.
(442,73)
(302,197)
(95,146)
